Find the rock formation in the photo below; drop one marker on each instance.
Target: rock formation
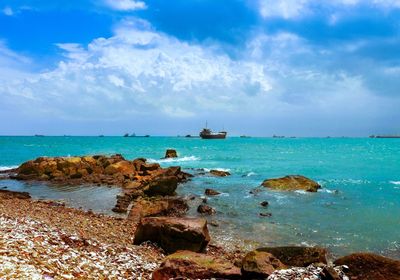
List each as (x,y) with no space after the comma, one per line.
(292,183)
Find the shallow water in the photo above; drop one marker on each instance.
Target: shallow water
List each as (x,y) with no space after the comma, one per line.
(357,210)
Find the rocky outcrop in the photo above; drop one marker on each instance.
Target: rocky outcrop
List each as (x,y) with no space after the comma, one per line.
(6,194)
(205,209)
(173,234)
(368,266)
(171,153)
(220,173)
(157,206)
(137,177)
(297,256)
(257,264)
(190,265)
(211,192)
(292,183)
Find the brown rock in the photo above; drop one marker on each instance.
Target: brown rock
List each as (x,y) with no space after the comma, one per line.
(170,153)
(190,265)
(297,256)
(329,273)
(162,185)
(205,209)
(211,192)
(220,173)
(368,266)
(258,264)
(173,234)
(291,183)
(125,168)
(6,194)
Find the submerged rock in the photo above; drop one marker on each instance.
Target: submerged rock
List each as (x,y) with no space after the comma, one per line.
(292,183)
(258,264)
(205,209)
(368,266)
(297,256)
(211,192)
(220,173)
(171,153)
(190,265)
(173,234)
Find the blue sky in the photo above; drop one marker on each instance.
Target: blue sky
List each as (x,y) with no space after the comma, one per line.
(258,67)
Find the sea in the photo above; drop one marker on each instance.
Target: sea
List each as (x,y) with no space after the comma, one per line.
(357,209)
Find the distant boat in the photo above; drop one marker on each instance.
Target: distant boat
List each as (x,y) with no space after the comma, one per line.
(126,135)
(245,136)
(206,133)
(39,135)
(384,136)
(277,136)
(101,135)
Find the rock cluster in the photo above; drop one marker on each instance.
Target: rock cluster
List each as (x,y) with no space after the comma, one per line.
(292,183)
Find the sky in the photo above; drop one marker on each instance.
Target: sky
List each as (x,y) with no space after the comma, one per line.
(253,67)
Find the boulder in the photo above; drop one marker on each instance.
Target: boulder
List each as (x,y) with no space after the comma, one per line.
(170,153)
(220,173)
(6,194)
(258,264)
(159,206)
(297,256)
(190,265)
(162,185)
(368,266)
(205,209)
(264,204)
(211,192)
(292,183)
(173,234)
(125,168)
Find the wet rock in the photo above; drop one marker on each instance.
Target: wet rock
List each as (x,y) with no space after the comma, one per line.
(205,209)
(211,192)
(292,183)
(329,273)
(158,206)
(258,264)
(190,265)
(368,266)
(170,153)
(310,273)
(220,173)
(162,185)
(297,256)
(264,204)
(6,194)
(265,214)
(173,234)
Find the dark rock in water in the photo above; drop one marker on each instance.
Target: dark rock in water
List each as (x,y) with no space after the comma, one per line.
(368,266)
(6,194)
(204,200)
(265,214)
(173,234)
(205,209)
(190,265)
(264,203)
(258,264)
(157,206)
(170,153)
(162,185)
(220,173)
(292,183)
(255,191)
(297,256)
(211,192)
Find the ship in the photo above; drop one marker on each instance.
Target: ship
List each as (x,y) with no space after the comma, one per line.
(206,133)
(384,136)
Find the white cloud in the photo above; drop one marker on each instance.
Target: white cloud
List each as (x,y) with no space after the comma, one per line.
(126,5)
(8,11)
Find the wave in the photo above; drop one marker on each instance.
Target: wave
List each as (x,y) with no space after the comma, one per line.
(182,159)
(251,174)
(3,168)
(395,182)
(217,168)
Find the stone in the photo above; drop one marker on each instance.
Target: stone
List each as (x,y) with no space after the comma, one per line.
(173,234)
(329,273)
(6,194)
(265,214)
(211,192)
(297,256)
(369,266)
(292,183)
(205,209)
(190,265)
(162,185)
(258,264)
(220,173)
(170,153)
(264,204)
(125,168)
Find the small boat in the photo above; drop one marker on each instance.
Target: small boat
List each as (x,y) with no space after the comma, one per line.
(245,136)
(384,136)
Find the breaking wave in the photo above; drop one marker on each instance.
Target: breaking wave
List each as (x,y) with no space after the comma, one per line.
(182,159)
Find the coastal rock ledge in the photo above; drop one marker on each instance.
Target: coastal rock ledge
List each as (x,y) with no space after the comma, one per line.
(292,183)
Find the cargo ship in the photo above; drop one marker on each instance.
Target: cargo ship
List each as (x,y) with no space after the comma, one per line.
(206,133)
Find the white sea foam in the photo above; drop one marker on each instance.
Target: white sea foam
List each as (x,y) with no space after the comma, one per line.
(2,168)
(395,182)
(218,168)
(251,174)
(326,190)
(182,159)
(301,192)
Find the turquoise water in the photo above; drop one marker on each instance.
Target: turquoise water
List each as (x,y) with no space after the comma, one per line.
(358,208)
